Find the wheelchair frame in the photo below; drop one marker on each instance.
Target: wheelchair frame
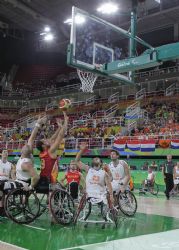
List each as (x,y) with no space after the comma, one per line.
(19,209)
(147,188)
(110,212)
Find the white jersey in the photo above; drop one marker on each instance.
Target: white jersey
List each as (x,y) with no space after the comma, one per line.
(95,183)
(117,172)
(5,168)
(150,176)
(21,174)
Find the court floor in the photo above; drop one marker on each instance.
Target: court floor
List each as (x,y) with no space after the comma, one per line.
(155,226)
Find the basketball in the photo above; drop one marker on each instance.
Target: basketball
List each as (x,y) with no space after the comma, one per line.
(64,104)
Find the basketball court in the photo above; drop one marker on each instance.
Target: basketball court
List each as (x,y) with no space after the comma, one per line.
(99,48)
(155,226)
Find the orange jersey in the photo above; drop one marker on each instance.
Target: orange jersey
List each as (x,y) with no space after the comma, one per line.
(49,166)
(73,176)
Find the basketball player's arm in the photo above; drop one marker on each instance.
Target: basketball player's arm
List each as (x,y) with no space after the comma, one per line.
(83,147)
(54,136)
(174,173)
(80,164)
(34,133)
(82,181)
(28,167)
(109,187)
(13,172)
(62,180)
(60,135)
(126,179)
(107,170)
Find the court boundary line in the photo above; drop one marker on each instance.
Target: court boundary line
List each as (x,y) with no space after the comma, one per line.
(12,245)
(38,228)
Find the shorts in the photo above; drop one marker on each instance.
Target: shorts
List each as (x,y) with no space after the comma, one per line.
(73,188)
(115,186)
(43,185)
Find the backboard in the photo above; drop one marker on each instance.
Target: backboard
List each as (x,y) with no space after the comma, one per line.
(93,43)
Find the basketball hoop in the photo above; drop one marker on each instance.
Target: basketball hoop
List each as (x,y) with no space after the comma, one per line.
(87,79)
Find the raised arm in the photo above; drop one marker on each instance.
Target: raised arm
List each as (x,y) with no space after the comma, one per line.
(80,164)
(60,135)
(33,135)
(83,147)
(53,137)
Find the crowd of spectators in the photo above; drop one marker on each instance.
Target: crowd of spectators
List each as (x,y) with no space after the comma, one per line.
(163,120)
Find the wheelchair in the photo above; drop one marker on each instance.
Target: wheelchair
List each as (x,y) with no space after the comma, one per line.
(93,207)
(126,202)
(149,187)
(23,207)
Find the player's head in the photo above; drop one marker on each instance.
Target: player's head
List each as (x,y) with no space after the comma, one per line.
(97,162)
(169,157)
(73,165)
(149,169)
(4,153)
(114,155)
(43,144)
(26,151)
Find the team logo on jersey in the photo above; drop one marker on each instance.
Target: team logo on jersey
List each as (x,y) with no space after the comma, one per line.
(95,179)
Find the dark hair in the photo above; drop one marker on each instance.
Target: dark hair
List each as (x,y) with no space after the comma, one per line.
(98,158)
(115,151)
(39,146)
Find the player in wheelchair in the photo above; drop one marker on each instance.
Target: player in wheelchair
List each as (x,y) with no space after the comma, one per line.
(119,172)
(98,197)
(149,184)
(73,178)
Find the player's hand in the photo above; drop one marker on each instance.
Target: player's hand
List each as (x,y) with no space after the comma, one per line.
(59,122)
(42,120)
(122,189)
(106,168)
(27,188)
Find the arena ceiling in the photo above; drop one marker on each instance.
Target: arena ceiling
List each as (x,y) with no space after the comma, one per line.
(32,15)
(26,19)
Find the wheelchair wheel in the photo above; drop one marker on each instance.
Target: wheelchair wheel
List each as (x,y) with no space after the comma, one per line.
(21,206)
(154,189)
(62,207)
(127,203)
(81,206)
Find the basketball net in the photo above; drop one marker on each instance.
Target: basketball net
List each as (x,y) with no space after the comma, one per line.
(87,79)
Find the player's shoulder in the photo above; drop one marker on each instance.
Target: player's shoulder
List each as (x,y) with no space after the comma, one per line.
(123,163)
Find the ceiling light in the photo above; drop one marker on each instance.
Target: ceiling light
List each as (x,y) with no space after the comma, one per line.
(49,37)
(108,8)
(47,29)
(158,1)
(78,20)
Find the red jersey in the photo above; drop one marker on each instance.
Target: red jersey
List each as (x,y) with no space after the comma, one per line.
(73,176)
(49,166)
